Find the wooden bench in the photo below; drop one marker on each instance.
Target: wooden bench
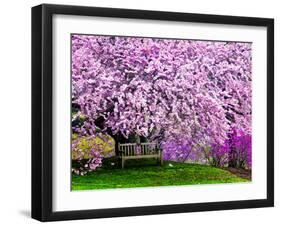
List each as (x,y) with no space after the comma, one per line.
(139,151)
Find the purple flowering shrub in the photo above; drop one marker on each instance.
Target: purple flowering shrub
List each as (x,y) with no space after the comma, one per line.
(240,150)
(236,151)
(216,155)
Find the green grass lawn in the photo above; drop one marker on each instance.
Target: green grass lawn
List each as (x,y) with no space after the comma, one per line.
(145,173)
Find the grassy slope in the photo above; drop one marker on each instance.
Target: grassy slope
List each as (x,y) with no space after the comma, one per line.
(145,173)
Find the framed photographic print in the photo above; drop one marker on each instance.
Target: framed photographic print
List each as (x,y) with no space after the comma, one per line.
(145,112)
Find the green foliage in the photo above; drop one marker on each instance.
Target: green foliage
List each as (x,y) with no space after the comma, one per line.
(82,146)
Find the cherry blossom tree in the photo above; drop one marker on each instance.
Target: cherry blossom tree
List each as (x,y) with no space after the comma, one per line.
(162,89)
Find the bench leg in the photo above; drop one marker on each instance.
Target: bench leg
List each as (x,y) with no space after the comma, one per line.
(123,162)
(160,159)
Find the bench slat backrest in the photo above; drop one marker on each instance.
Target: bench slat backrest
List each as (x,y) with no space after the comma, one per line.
(130,149)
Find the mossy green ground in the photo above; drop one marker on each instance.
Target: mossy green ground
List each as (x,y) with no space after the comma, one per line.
(146,173)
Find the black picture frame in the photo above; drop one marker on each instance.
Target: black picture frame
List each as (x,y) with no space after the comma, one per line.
(42,111)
